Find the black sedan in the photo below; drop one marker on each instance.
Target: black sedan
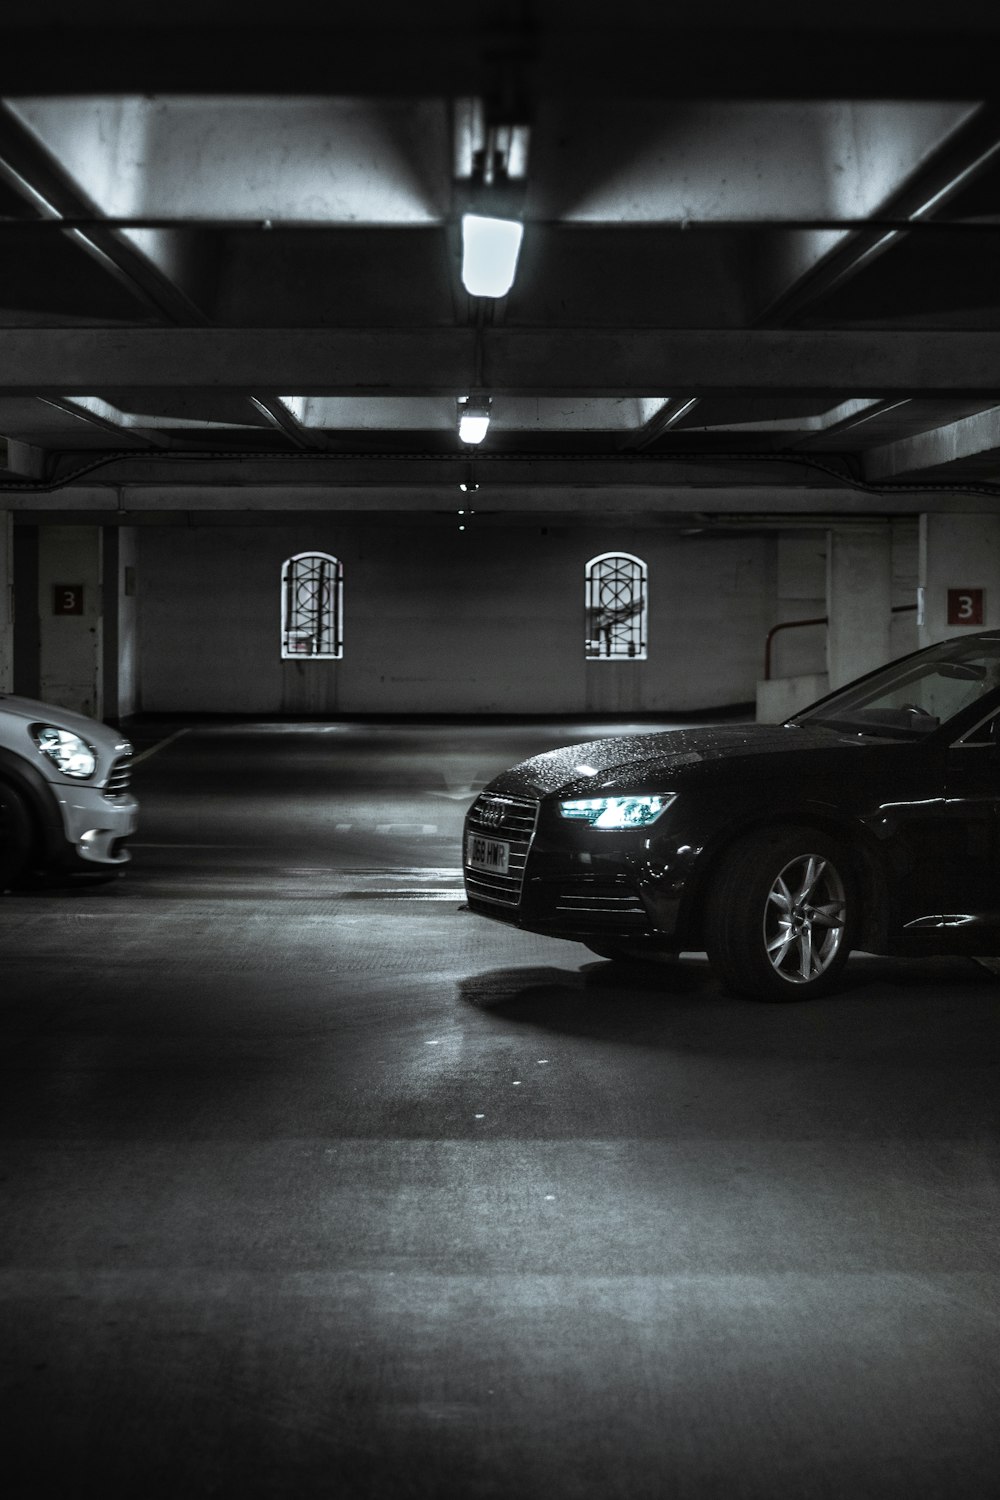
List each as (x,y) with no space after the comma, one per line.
(869,821)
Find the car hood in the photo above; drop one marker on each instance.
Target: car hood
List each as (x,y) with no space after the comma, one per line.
(35,712)
(626,760)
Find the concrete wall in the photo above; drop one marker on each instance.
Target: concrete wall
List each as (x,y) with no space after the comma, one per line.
(799,657)
(802,594)
(958,552)
(858,601)
(71,645)
(437,620)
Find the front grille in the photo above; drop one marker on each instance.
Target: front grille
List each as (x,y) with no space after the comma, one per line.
(598,899)
(512,820)
(119,777)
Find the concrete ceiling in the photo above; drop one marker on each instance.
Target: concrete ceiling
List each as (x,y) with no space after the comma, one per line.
(759,269)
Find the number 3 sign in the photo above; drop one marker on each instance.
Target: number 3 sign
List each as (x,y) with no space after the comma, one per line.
(67,599)
(965,606)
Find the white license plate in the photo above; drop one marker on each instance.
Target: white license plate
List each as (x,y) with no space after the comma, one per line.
(487,854)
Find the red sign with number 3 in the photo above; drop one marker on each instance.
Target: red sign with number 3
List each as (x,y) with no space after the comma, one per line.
(965,606)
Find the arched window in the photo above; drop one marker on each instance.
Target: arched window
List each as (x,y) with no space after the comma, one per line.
(616,607)
(312,606)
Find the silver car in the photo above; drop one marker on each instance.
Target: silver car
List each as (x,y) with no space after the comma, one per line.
(65,802)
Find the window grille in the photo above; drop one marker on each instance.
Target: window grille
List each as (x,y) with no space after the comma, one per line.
(616,607)
(312,606)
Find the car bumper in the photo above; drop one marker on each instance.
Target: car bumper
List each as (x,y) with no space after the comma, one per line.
(94,826)
(579,894)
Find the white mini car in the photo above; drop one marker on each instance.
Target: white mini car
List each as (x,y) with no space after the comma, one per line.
(65,802)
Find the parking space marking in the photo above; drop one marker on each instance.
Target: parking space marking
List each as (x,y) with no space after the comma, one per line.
(160,745)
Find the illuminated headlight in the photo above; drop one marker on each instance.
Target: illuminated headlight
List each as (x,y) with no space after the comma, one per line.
(618,812)
(73,756)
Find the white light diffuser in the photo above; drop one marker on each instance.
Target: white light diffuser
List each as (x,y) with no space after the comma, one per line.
(472,426)
(490,249)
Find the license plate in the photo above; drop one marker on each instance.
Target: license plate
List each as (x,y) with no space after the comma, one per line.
(487,854)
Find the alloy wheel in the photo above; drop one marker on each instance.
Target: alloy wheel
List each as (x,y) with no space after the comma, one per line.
(804,919)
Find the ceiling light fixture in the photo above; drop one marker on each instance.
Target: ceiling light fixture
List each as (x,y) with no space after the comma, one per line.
(491,138)
(490,248)
(473,417)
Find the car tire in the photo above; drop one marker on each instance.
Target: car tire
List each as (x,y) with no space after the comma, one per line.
(781,915)
(15,835)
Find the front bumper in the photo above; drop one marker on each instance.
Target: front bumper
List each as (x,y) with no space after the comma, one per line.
(574,885)
(95,826)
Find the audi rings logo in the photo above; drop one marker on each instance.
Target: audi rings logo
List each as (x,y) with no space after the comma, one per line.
(492,815)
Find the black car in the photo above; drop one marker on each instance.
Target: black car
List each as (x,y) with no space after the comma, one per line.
(869,821)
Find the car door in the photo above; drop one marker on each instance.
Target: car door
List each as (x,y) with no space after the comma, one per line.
(970,877)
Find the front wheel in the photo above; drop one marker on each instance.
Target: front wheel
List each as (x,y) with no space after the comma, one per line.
(15,835)
(781,915)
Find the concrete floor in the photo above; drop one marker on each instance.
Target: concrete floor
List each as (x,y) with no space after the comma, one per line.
(317,1186)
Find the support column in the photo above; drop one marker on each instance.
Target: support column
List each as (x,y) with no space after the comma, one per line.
(958,554)
(6,601)
(120,649)
(858,601)
(70,625)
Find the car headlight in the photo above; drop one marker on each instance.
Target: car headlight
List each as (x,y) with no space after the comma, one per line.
(618,812)
(73,756)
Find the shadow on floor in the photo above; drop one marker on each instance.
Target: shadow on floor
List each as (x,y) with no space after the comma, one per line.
(887,1009)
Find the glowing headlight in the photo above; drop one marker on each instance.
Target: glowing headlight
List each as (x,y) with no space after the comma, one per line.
(73,756)
(618,812)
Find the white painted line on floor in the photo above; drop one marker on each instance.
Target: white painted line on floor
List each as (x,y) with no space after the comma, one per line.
(405,830)
(145,754)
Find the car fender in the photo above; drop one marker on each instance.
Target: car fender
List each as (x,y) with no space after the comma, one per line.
(863,845)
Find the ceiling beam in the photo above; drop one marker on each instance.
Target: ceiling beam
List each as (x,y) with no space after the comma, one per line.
(28,169)
(285,422)
(970,437)
(125,497)
(668,416)
(594,362)
(100,414)
(972,151)
(875,51)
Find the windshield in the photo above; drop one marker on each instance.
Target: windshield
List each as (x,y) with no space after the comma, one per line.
(914,696)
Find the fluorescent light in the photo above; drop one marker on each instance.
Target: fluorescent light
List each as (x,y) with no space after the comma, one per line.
(473,418)
(472,427)
(489,254)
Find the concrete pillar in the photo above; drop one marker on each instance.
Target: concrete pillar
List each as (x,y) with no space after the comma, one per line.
(6,601)
(958,554)
(120,665)
(858,601)
(70,618)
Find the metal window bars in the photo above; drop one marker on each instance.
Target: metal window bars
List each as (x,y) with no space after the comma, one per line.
(616,606)
(312,606)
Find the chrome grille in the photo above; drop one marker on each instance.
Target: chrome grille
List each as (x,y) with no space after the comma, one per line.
(119,777)
(513,820)
(592,899)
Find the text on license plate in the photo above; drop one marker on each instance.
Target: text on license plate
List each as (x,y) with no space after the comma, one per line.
(487,854)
